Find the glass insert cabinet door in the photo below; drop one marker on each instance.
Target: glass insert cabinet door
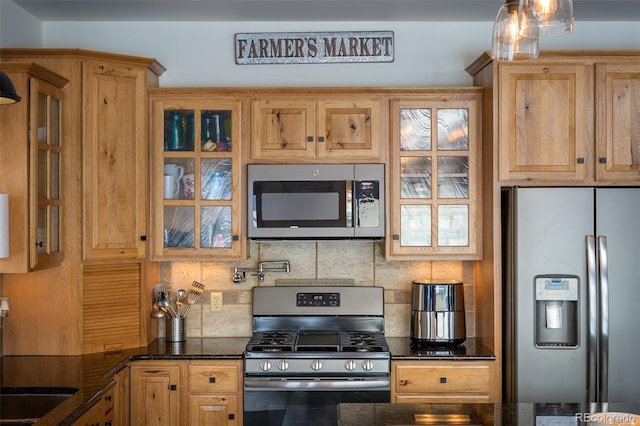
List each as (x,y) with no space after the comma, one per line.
(434,166)
(46,152)
(196,180)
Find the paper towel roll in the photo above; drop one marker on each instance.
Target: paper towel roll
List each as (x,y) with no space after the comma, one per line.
(4,225)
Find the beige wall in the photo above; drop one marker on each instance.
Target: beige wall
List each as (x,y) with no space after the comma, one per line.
(359,260)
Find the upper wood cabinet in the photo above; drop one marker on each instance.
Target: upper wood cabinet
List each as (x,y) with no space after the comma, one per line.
(618,121)
(543,115)
(31,157)
(115,159)
(197,173)
(318,128)
(435,176)
(569,117)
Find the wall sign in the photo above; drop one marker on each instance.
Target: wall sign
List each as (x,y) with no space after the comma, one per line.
(314,48)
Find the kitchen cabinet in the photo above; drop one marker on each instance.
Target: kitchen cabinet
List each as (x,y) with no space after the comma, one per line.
(121,396)
(197,177)
(115,158)
(567,118)
(155,393)
(30,167)
(101,413)
(187,392)
(325,128)
(215,393)
(435,176)
(442,381)
(618,121)
(104,187)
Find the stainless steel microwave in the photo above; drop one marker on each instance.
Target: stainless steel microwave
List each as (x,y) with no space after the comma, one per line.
(316,201)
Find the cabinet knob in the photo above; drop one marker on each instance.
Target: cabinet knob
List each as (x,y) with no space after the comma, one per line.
(396,237)
(602,160)
(443,380)
(309,138)
(212,379)
(173,387)
(580,160)
(403,383)
(232,416)
(320,138)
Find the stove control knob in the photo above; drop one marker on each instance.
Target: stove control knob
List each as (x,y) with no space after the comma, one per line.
(316,364)
(265,365)
(367,365)
(283,365)
(350,364)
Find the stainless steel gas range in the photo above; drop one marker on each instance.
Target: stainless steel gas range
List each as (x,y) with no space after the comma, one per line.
(312,348)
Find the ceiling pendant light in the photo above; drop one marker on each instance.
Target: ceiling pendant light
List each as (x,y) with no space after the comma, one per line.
(553,17)
(507,43)
(8,93)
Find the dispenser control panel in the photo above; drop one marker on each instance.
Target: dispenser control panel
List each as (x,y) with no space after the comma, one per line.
(557,288)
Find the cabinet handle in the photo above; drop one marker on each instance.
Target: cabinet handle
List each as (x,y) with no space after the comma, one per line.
(173,387)
(309,138)
(443,380)
(143,238)
(232,416)
(396,237)
(602,160)
(403,383)
(235,238)
(580,160)
(320,138)
(40,244)
(212,379)
(107,398)
(108,423)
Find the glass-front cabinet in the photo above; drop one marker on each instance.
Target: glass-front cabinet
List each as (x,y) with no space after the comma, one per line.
(196,211)
(31,167)
(434,168)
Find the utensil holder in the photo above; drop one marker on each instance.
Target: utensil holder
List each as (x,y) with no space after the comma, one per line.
(175,329)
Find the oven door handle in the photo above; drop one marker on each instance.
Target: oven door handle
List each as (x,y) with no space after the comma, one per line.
(317,384)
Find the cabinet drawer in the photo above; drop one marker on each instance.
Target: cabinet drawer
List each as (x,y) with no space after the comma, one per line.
(213,378)
(444,379)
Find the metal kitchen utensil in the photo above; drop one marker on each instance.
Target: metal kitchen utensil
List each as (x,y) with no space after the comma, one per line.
(194,293)
(181,299)
(156,311)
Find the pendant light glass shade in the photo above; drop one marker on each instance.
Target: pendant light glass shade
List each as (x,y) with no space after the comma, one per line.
(8,93)
(553,17)
(508,44)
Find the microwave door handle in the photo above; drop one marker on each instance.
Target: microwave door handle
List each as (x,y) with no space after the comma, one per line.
(352,210)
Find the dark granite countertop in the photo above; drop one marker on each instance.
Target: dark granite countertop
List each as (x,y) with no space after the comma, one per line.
(92,374)
(555,414)
(402,348)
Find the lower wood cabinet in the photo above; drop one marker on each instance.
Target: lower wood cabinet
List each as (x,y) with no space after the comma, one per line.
(442,381)
(203,393)
(102,413)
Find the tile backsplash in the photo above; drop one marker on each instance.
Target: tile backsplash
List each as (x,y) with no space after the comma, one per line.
(362,261)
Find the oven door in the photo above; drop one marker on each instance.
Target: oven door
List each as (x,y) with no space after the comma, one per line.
(305,400)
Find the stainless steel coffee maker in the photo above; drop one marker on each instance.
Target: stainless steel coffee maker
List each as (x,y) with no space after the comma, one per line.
(437,312)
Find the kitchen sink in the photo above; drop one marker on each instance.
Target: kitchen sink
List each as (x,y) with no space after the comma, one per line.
(25,405)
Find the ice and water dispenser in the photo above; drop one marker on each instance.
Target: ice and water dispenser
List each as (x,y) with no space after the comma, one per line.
(556,311)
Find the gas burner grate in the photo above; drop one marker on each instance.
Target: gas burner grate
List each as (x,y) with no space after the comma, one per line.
(363,342)
(272,341)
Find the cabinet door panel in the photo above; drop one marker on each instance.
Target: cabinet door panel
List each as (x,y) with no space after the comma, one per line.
(155,395)
(283,128)
(350,128)
(542,130)
(618,122)
(115,161)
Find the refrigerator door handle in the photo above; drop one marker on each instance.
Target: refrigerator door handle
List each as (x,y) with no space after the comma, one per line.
(592,320)
(603,297)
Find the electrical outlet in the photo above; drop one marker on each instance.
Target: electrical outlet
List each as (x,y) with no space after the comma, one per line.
(216,302)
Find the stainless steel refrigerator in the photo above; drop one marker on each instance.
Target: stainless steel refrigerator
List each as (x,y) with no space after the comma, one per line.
(571,294)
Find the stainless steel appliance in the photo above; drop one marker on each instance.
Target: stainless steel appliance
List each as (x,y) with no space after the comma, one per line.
(572,293)
(312,348)
(316,200)
(437,312)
